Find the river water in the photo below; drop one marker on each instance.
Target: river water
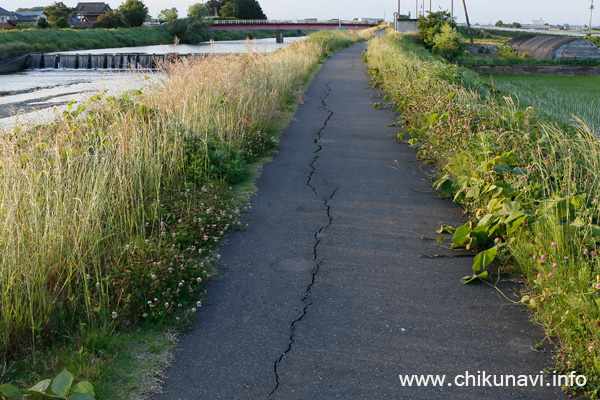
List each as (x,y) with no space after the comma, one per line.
(37,96)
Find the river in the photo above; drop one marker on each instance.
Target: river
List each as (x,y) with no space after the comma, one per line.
(37,96)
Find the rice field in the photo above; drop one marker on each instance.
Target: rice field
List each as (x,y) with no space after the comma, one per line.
(557,97)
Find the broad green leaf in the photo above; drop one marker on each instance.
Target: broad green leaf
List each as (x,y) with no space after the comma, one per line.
(473,192)
(595,230)
(433,118)
(41,387)
(11,392)
(446,186)
(413,141)
(516,224)
(525,299)
(502,169)
(461,235)
(83,387)
(484,259)
(451,95)
(439,239)
(81,396)
(485,220)
(471,278)
(62,383)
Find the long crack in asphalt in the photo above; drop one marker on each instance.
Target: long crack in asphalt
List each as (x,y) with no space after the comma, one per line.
(318,262)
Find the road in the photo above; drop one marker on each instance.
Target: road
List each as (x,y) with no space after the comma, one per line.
(334,290)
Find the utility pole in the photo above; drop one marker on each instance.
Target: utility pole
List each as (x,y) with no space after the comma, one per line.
(473,48)
(416,9)
(591,10)
(452,9)
(430,6)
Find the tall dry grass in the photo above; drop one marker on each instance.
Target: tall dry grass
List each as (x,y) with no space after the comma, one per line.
(77,195)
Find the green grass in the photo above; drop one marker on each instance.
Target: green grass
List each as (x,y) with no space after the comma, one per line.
(34,40)
(529,185)
(557,97)
(49,40)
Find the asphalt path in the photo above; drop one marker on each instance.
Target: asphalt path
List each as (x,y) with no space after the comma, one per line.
(335,289)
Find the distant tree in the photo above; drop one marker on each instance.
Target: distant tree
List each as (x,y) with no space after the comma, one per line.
(515,25)
(111,20)
(432,25)
(43,23)
(58,10)
(242,9)
(61,23)
(20,9)
(214,6)
(134,11)
(499,23)
(191,31)
(169,15)
(198,11)
(229,10)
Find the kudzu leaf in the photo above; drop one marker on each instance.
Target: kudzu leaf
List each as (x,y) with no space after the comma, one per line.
(83,387)
(11,392)
(471,278)
(41,387)
(81,396)
(433,118)
(461,235)
(484,259)
(62,383)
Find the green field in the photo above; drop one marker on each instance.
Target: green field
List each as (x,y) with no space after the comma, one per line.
(558,97)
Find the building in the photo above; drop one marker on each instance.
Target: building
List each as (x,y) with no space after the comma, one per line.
(89,12)
(537,22)
(34,14)
(4,16)
(10,20)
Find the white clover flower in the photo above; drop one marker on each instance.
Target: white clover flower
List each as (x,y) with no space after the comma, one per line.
(114,314)
(199,279)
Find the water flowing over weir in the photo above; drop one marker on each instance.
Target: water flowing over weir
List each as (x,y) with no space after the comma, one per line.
(102,61)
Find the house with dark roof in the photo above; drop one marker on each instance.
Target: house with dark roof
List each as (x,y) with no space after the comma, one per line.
(4,16)
(89,12)
(34,14)
(10,20)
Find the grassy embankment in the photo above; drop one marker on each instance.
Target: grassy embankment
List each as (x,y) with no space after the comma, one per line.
(111,216)
(530,187)
(49,40)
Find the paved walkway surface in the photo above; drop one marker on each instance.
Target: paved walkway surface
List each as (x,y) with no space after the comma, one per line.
(327,294)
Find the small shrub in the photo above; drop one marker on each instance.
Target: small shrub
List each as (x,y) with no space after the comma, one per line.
(507,52)
(447,43)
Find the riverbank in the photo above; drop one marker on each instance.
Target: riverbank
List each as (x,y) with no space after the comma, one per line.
(18,42)
(530,187)
(129,197)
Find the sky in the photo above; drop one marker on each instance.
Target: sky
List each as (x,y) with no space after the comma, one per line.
(574,12)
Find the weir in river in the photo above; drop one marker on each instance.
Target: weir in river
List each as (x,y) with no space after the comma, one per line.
(100,61)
